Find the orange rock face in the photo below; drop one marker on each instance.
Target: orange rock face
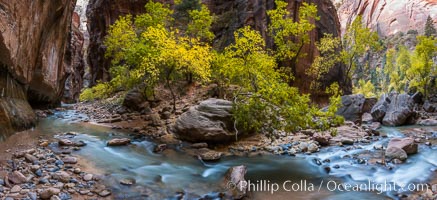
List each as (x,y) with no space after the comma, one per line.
(33,42)
(388,17)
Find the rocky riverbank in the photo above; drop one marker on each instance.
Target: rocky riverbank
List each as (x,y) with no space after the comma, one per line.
(36,168)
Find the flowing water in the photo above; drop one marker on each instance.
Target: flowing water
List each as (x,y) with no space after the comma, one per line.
(172,173)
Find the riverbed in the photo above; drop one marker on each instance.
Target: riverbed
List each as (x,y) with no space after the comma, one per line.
(174,174)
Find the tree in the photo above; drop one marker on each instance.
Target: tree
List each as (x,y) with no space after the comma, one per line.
(328,58)
(403,63)
(357,41)
(291,34)
(429,27)
(423,69)
(148,49)
(200,24)
(265,101)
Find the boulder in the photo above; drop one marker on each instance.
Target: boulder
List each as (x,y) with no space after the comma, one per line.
(395,153)
(406,144)
(210,121)
(352,107)
(430,107)
(367,118)
(134,100)
(119,142)
(380,108)
(65,142)
(234,182)
(394,110)
(400,109)
(368,104)
(209,155)
(427,122)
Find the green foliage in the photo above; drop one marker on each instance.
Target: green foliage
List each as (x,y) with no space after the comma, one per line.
(422,66)
(429,27)
(146,50)
(365,88)
(328,118)
(290,35)
(200,25)
(264,101)
(100,91)
(328,58)
(357,41)
(157,14)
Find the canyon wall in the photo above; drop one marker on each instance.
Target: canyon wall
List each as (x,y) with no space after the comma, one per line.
(33,57)
(230,16)
(388,17)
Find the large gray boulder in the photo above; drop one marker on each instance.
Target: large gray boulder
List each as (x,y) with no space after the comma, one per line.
(352,107)
(210,121)
(394,109)
(380,108)
(400,109)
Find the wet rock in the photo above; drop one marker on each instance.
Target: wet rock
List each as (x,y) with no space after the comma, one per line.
(322,139)
(312,148)
(407,144)
(119,142)
(210,121)
(427,122)
(393,152)
(209,155)
(127,181)
(69,160)
(352,107)
(79,143)
(160,148)
(48,193)
(199,145)
(378,147)
(104,193)
(234,182)
(16,177)
(65,142)
(347,141)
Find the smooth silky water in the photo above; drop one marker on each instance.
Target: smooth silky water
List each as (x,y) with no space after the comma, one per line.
(171,173)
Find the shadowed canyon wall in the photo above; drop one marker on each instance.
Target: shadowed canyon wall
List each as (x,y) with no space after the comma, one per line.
(34,58)
(231,15)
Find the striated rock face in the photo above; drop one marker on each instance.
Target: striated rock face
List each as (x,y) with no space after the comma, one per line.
(74,81)
(33,59)
(388,16)
(33,41)
(231,15)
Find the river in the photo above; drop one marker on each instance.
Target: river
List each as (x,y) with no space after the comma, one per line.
(173,173)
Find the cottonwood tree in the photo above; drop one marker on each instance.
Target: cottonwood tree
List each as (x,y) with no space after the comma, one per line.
(290,33)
